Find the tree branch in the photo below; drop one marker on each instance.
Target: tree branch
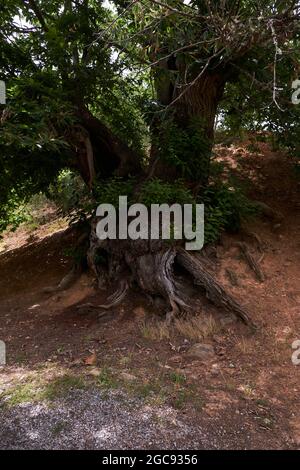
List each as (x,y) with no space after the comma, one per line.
(31,4)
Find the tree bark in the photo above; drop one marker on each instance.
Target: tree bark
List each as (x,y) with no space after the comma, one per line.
(99,151)
(151,266)
(191,108)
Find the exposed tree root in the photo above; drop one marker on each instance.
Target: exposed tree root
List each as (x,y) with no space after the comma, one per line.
(260,244)
(214,291)
(71,277)
(251,261)
(232,277)
(117,297)
(155,275)
(67,281)
(170,273)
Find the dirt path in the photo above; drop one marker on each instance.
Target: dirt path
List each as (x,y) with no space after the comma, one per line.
(121,381)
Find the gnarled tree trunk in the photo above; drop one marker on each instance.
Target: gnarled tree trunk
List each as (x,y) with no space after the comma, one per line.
(99,151)
(192,109)
(152,266)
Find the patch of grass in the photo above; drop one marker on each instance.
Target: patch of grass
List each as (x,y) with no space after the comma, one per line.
(157,399)
(196,327)
(153,391)
(245,345)
(31,226)
(56,225)
(177,378)
(125,360)
(106,379)
(180,400)
(61,386)
(22,393)
(155,331)
(262,402)
(187,396)
(248,391)
(144,390)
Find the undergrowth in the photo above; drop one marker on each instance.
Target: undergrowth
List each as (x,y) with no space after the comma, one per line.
(225,206)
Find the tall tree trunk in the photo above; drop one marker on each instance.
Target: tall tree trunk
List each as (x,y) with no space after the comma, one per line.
(200,101)
(191,112)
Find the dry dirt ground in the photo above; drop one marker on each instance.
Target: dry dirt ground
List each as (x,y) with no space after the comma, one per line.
(124,380)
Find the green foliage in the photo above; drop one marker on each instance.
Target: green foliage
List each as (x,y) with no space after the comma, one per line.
(108,191)
(24,211)
(153,191)
(32,149)
(14,212)
(126,99)
(225,207)
(177,378)
(188,149)
(49,72)
(252,108)
(68,191)
(106,379)
(156,191)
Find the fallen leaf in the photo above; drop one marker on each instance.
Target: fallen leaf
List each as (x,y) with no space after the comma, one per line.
(91,360)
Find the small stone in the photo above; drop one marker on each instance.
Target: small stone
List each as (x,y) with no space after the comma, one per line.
(91,360)
(215,369)
(95,371)
(128,377)
(202,351)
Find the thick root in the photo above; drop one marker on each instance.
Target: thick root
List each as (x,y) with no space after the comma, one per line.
(154,274)
(67,281)
(151,266)
(215,292)
(117,297)
(254,265)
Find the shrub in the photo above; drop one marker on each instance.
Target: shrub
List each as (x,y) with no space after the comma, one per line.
(69,191)
(225,207)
